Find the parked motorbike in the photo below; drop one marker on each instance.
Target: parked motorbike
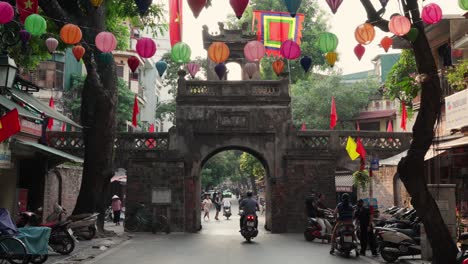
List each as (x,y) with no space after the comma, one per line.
(249,227)
(84,225)
(227,212)
(314,230)
(395,242)
(345,241)
(463,254)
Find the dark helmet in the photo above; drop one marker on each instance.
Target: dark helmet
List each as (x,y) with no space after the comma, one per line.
(345,197)
(249,193)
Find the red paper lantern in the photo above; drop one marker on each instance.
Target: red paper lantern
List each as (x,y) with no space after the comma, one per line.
(250,68)
(146,47)
(290,50)
(70,34)
(399,25)
(359,51)
(278,67)
(254,50)
(431,13)
(6,13)
(239,6)
(133,62)
(386,43)
(196,6)
(364,33)
(105,41)
(78,51)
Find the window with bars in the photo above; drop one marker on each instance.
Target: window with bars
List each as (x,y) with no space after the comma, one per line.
(49,75)
(120,71)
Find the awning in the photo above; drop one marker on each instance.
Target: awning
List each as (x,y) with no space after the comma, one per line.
(393,161)
(40,107)
(455,143)
(50,151)
(10,105)
(376,115)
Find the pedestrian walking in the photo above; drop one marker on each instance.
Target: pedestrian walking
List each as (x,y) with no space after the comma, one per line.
(206,205)
(116,209)
(217,202)
(366,235)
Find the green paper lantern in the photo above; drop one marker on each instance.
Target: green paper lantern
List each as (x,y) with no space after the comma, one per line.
(181,53)
(463,4)
(106,57)
(327,42)
(412,35)
(35,24)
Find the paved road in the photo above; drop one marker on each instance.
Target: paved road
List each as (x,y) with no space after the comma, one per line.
(220,242)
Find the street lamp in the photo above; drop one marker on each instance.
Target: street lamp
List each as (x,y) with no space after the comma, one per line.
(7,71)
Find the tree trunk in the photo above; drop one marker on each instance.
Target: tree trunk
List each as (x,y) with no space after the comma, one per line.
(411,168)
(252,182)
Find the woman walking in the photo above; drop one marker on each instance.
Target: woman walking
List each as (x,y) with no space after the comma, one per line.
(116,208)
(206,205)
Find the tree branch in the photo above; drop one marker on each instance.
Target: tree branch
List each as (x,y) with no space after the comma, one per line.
(53,9)
(374,17)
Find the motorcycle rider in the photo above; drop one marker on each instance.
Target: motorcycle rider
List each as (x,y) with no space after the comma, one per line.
(226,203)
(364,218)
(250,207)
(321,220)
(345,211)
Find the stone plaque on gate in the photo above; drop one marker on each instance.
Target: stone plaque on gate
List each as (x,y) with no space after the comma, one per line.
(233,120)
(161,196)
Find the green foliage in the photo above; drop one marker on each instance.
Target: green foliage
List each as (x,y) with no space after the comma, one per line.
(401,83)
(311,100)
(171,76)
(166,110)
(72,100)
(361,179)
(457,76)
(220,167)
(251,166)
(121,32)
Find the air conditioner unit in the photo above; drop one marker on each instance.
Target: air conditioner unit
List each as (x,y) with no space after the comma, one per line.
(461,43)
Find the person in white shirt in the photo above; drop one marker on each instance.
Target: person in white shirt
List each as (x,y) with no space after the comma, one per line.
(226,202)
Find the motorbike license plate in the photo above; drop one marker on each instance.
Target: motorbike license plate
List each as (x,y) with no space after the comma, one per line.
(348,239)
(250,224)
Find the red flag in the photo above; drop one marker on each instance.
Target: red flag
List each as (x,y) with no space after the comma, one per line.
(360,149)
(151,128)
(175,21)
(404,116)
(303,127)
(9,124)
(357,127)
(64,127)
(390,126)
(51,120)
(333,115)
(136,111)
(26,8)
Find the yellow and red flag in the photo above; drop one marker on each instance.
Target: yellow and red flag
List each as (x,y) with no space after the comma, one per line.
(26,8)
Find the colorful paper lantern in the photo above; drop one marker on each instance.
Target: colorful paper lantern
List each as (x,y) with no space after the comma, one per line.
(146,47)
(70,34)
(306,63)
(386,43)
(143,6)
(412,34)
(254,50)
(161,66)
(51,44)
(463,4)
(431,13)
(220,70)
(78,51)
(250,68)
(364,34)
(334,5)
(331,58)
(359,51)
(106,58)
(96,3)
(292,6)
(133,62)
(193,68)
(35,24)
(384,3)
(105,41)
(457,53)
(181,52)
(278,67)
(6,12)
(239,6)
(196,6)
(290,50)
(24,36)
(218,52)
(327,42)
(399,25)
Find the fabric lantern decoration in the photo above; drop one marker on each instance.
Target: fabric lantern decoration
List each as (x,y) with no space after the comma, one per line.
(181,52)
(239,6)
(143,6)
(290,50)
(331,58)
(105,41)
(220,70)
(463,4)
(364,33)
(278,67)
(412,34)
(359,51)
(146,47)
(292,6)
(399,25)
(78,52)
(24,36)
(431,13)
(106,58)
(35,24)
(250,68)
(193,68)
(6,13)
(306,63)
(70,34)
(196,6)
(51,44)
(254,50)
(161,66)
(384,3)
(327,42)
(457,53)
(133,62)
(386,43)
(218,52)
(96,3)
(334,5)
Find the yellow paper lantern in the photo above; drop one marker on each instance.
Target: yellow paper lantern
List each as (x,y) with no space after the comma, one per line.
(331,58)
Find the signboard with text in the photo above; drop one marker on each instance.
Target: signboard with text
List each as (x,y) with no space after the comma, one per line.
(30,127)
(161,196)
(456,110)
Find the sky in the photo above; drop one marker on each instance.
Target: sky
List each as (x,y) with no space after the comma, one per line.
(343,23)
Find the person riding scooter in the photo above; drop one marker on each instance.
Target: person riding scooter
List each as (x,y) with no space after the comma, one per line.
(249,206)
(344,211)
(226,207)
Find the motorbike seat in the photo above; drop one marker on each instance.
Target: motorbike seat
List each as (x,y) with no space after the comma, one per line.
(409,232)
(49,224)
(464,236)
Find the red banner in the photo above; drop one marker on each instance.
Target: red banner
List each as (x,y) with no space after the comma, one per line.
(26,8)
(175,21)
(9,125)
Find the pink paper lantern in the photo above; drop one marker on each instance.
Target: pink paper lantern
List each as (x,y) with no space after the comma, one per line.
(51,44)
(6,13)
(290,50)
(431,13)
(250,68)
(193,68)
(399,25)
(146,47)
(254,50)
(105,41)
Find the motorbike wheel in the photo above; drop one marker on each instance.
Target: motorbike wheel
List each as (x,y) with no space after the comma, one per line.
(388,257)
(89,234)
(65,246)
(347,254)
(131,225)
(249,239)
(38,259)
(308,237)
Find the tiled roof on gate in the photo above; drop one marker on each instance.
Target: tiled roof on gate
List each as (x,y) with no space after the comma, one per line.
(376,114)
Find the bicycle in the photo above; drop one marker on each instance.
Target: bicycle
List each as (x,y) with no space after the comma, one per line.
(12,251)
(142,220)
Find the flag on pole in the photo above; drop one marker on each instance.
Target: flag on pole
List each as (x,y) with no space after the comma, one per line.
(175,21)
(151,128)
(26,8)
(404,116)
(50,124)
(333,115)
(64,127)
(360,149)
(9,124)
(357,127)
(389,126)
(303,127)
(136,111)
(351,148)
